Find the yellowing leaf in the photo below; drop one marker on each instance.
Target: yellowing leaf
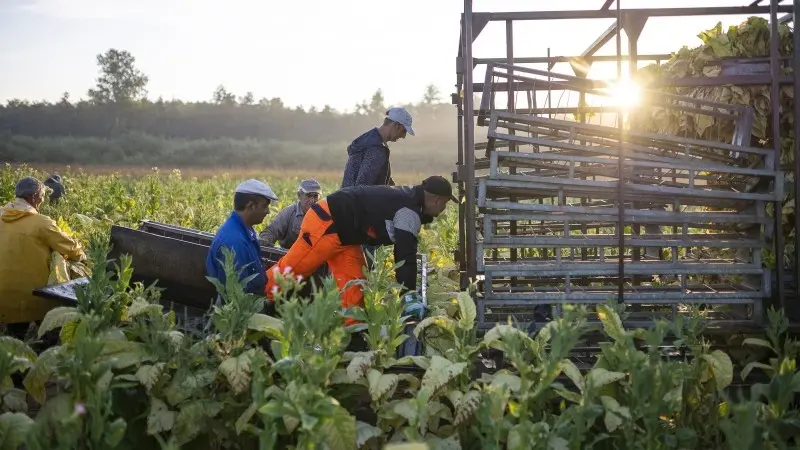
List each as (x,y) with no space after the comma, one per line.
(466,407)
(440,373)
(58,317)
(41,372)
(612,324)
(359,365)
(381,385)
(468,311)
(237,371)
(721,367)
(445,323)
(339,430)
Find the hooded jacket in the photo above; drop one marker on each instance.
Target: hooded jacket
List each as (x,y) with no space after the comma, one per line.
(382,215)
(27,240)
(367,161)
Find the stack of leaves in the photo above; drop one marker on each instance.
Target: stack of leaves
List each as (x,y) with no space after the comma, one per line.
(751,39)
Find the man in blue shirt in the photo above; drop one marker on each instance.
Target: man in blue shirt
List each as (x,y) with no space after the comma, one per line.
(250,206)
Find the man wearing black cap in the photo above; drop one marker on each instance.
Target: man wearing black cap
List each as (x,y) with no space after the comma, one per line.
(336,227)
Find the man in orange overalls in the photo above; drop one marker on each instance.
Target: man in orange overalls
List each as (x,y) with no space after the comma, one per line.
(335,229)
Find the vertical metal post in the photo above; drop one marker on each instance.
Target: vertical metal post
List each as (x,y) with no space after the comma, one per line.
(621,180)
(774,53)
(512,146)
(462,245)
(469,143)
(796,87)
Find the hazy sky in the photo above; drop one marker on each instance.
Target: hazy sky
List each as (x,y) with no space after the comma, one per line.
(308,52)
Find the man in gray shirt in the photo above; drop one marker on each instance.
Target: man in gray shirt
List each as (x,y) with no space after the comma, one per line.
(286,225)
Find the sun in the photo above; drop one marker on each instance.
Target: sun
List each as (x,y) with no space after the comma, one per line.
(625,93)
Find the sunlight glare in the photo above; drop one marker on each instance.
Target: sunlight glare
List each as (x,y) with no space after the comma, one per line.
(625,93)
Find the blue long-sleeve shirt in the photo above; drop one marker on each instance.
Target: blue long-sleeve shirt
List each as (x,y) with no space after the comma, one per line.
(243,241)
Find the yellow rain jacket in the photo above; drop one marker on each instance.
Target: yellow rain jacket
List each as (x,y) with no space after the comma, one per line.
(27,242)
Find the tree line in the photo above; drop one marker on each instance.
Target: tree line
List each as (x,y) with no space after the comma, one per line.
(118,124)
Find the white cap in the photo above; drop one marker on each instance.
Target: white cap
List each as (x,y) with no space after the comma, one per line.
(256,187)
(401,116)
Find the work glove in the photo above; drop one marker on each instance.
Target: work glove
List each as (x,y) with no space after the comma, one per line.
(413,306)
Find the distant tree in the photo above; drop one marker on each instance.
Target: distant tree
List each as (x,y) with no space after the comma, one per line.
(377,106)
(65,100)
(248,99)
(223,97)
(432,95)
(120,81)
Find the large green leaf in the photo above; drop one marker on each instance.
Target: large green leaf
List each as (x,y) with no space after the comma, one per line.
(40,373)
(359,365)
(15,347)
(266,324)
(58,317)
(512,382)
(365,432)
(141,307)
(721,367)
(599,377)
(441,372)
(615,414)
(573,373)
(14,428)
(612,324)
(148,375)
(467,310)
(193,417)
(445,323)
(339,430)
(466,407)
(237,370)
(123,353)
(160,418)
(381,385)
(753,365)
(244,419)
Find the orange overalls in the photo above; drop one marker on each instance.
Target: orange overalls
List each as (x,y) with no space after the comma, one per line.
(315,247)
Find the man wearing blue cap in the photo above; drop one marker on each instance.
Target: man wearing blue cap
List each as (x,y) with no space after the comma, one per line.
(368,155)
(286,226)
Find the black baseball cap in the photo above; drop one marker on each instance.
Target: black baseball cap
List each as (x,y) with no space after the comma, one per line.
(437,185)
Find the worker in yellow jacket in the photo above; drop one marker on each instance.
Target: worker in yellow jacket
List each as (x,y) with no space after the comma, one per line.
(27,242)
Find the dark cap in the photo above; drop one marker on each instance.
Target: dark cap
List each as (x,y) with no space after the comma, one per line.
(437,185)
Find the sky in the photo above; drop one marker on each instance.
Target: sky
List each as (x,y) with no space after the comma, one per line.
(307,52)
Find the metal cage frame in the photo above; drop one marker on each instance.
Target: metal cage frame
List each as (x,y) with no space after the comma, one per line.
(632,22)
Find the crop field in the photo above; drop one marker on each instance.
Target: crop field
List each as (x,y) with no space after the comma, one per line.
(124,376)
